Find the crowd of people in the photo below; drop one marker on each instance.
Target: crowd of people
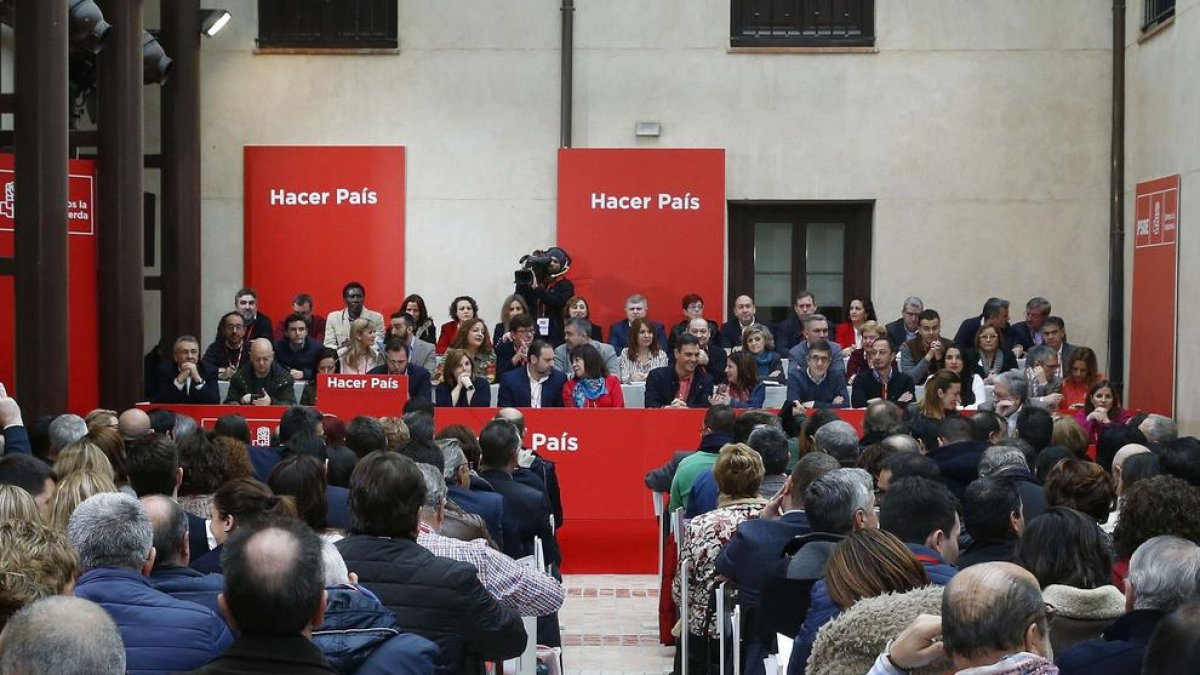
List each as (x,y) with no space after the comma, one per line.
(136,542)
(967,547)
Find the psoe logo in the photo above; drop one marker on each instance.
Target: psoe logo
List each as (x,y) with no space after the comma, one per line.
(563,443)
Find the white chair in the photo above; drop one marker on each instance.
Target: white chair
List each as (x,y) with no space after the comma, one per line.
(783,652)
(660,505)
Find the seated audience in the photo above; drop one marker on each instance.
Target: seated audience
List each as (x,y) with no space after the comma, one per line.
(1152,507)
(790,331)
(1054,336)
(942,395)
(859,310)
(327,363)
(973,392)
(1101,409)
(1162,580)
(297,351)
(513,305)
(884,381)
(908,326)
(302,477)
(73,490)
(957,453)
(258,325)
(712,355)
(860,356)
(744,316)
(693,308)
(402,328)
(461,388)
(905,462)
(456,471)
(1028,333)
(816,329)
(528,507)
(1008,463)
(115,542)
(1082,373)
(924,515)
(339,331)
(1080,485)
(1132,463)
(537,385)
(771,444)
(396,355)
(187,379)
(838,439)
(680,385)
(36,562)
(994,314)
(993,620)
(738,472)
(171,573)
(302,305)
(513,353)
(742,388)
(1041,367)
(758,342)
(262,381)
(46,638)
(642,353)
(577,307)
(472,338)
(361,353)
(229,351)
(1066,551)
(1010,394)
(591,385)
(438,598)
(462,309)
(850,643)
(1159,429)
(245,502)
(575,334)
(636,307)
(990,356)
(813,383)
(423,327)
(680,472)
(925,353)
(991,513)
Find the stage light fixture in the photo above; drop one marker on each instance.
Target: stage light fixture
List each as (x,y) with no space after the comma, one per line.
(156,65)
(88,28)
(213,20)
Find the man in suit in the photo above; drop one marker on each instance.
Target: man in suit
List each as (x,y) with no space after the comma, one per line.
(1028,333)
(529,507)
(484,503)
(995,314)
(817,329)
(1054,336)
(537,385)
(171,573)
(636,307)
(398,363)
(187,380)
(296,351)
(712,354)
(884,380)
(1045,386)
(791,329)
(577,333)
(907,326)
(681,384)
(420,352)
(744,315)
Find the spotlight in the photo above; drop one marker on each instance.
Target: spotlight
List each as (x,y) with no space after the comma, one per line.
(213,20)
(88,27)
(156,65)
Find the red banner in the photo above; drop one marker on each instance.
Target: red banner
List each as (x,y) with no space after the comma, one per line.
(644,221)
(1153,321)
(343,206)
(82,298)
(374,395)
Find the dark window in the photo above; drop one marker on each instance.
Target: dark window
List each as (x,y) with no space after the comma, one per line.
(1157,11)
(778,248)
(802,23)
(333,24)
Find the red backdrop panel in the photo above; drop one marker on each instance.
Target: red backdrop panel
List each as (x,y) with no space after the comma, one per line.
(644,221)
(82,321)
(340,206)
(1153,319)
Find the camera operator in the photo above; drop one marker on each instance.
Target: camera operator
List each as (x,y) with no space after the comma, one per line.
(544,286)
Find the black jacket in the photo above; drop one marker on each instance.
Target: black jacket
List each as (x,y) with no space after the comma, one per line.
(278,384)
(866,387)
(1119,650)
(292,654)
(996,550)
(438,598)
(166,392)
(959,464)
(528,508)
(663,383)
(304,360)
(1033,496)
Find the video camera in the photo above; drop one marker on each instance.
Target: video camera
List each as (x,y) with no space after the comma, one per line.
(535,267)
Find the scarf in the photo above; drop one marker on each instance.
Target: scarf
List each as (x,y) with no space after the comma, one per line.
(764,362)
(588,390)
(1022,663)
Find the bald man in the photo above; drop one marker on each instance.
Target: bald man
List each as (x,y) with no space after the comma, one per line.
(262,381)
(993,618)
(45,638)
(744,314)
(1119,461)
(134,424)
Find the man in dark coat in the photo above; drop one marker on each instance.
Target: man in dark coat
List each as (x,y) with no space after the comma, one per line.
(262,381)
(397,352)
(438,598)
(665,385)
(527,506)
(187,380)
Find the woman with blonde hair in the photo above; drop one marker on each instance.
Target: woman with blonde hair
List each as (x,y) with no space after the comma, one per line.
(1070,435)
(17,504)
(362,354)
(72,491)
(758,342)
(870,331)
(83,455)
(513,305)
(738,472)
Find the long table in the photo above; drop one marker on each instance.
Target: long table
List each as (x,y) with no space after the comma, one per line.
(602,457)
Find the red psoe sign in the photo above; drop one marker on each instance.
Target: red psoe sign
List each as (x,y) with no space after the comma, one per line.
(644,221)
(82,296)
(1155,301)
(340,206)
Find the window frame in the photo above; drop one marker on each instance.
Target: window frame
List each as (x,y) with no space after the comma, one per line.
(329,33)
(1156,13)
(738,37)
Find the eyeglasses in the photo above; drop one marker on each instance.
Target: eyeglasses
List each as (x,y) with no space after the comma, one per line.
(696,306)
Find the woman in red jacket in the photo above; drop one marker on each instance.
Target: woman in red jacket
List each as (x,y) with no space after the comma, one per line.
(858,311)
(463,309)
(591,386)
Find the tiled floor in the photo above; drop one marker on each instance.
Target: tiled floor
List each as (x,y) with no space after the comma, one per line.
(610,625)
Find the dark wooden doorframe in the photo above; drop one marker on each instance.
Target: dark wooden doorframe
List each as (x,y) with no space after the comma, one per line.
(856,263)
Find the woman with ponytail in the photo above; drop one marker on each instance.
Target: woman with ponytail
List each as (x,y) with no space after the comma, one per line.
(244,502)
